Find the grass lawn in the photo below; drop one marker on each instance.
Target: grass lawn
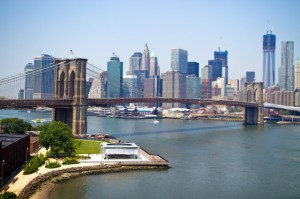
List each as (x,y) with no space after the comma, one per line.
(89,147)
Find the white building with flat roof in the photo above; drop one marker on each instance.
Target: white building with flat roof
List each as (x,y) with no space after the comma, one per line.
(120,151)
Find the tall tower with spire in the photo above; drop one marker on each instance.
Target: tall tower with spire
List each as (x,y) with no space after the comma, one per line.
(269,45)
(145,59)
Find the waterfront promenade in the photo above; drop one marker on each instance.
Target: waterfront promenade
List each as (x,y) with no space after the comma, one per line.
(26,185)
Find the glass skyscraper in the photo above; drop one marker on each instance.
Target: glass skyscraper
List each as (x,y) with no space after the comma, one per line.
(43,87)
(135,62)
(193,69)
(269,44)
(216,69)
(114,77)
(179,61)
(250,76)
(223,56)
(28,91)
(130,86)
(286,71)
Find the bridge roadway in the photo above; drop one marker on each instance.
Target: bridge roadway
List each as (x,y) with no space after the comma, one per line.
(67,103)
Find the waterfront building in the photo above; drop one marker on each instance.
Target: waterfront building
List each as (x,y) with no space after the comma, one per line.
(193,86)
(154,69)
(286,71)
(43,72)
(223,56)
(269,45)
(130,86)
(206,82)
(120,151)
(193,69)
(29,81)
(114,77)
(235,84)
(174,85)
(135,62)
(145,59)
(250,76)
(21,94)
(297,74)
(216,69)
(179,61)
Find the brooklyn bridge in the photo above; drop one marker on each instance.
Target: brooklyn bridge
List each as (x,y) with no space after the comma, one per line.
(70,101)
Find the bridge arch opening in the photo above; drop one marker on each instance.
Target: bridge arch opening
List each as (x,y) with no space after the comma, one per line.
(249,96)
(72,84)
(61,84)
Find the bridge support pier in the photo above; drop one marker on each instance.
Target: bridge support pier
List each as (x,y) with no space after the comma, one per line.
(254,115)
(70,83)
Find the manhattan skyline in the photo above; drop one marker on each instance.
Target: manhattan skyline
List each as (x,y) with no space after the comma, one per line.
(95,29)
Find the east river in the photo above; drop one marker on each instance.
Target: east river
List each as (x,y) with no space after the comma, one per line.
(209,159)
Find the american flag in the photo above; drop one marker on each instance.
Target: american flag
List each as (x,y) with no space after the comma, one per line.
(71,51)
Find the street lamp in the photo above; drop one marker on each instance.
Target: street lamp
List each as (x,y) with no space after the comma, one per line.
(2,178)
(26,155)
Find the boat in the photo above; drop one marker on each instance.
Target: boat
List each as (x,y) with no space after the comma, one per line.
(155,122)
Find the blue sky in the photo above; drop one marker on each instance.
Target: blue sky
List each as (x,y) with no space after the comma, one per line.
(95,29)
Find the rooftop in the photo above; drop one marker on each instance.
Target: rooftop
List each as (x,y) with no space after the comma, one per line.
(8,139)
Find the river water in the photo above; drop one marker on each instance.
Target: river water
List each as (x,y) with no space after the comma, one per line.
(209,159)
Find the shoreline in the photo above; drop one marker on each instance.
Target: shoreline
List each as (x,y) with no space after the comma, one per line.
(40,187)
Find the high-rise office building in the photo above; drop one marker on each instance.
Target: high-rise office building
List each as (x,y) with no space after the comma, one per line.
(153,89)
(216,69)
(154,70)
(297,75)
(135,62)
(242,83)
(179,61)
(29,81)
(193,69)
(223,56)
(193,88)
(141,75)
(206,82)
(88,86)
(21,94)
(145,59)
(286,71)
(130,86)
(95,89)
(250,76)
(43,87)
(174,85)
(269,45)
(235,84)
(114,77)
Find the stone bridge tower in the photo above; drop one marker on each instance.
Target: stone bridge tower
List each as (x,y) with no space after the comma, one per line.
(70,83)
(253,92)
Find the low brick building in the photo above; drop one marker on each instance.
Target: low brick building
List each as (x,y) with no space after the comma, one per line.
(14,152)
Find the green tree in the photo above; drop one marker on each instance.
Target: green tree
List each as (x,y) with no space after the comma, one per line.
(58,137)
(8,195)
(15,126)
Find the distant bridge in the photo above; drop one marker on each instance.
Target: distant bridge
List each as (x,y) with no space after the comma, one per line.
(65,103)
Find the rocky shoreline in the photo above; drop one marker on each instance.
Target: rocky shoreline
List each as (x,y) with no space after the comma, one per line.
(64,174)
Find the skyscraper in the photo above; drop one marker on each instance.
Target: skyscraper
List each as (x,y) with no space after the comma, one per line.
(216,69)
(141,75)
(193,86)
(206,82)
(135,62)
(242,83)
(223,56)
(179,59)
(193,69)
(28,91)
(154,70)
(297,75)
(269,44)
(43,87)
(174,85)
(129,86)
(145,59)
(114,77)
(250,76)
(286,71)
